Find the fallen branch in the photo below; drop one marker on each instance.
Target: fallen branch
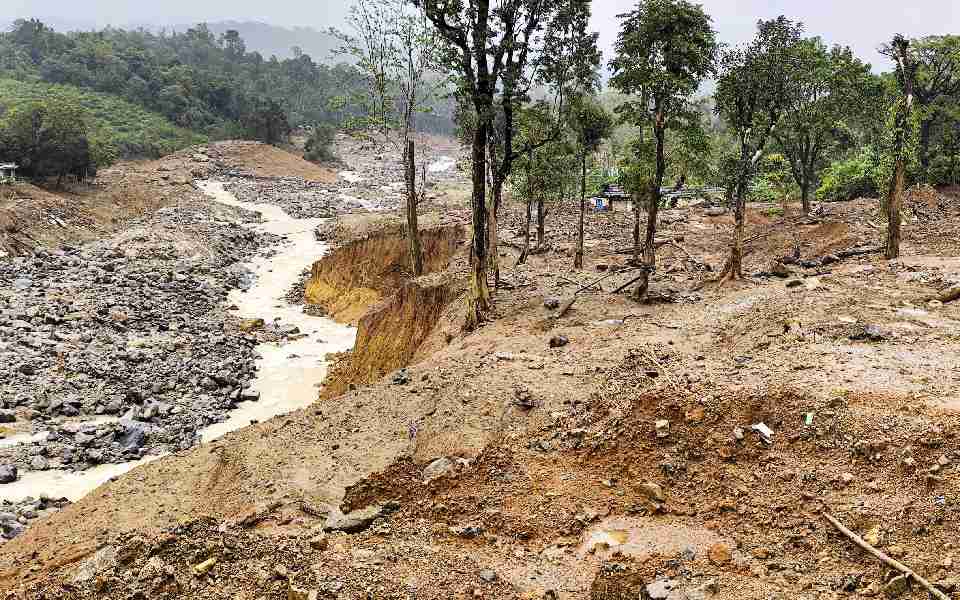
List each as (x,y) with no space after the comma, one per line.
(566,307)
(859,251)
(662,368)
(950,294)
(596,281)
(656,244)
(568,280)
(909,573)
(629,283)
(684,250)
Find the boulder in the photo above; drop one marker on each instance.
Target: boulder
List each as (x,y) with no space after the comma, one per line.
(8,473)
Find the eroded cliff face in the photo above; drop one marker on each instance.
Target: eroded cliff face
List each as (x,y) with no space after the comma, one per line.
(352,278)
(365,283)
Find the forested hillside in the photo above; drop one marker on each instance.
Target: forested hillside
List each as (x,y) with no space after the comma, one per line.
(130,130)
(271,40)
(198,80)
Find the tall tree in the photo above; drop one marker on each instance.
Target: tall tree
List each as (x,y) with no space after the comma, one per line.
(489,43)
(397,48)
(937,82)
(591,124)
(567,63)
(663,52)
(752,96)
(825,89)
(906,75)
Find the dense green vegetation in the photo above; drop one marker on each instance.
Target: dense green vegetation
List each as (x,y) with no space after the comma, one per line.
(127,128)
(197,80)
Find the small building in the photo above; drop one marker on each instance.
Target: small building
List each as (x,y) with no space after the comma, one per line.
(8,172)
(612,198)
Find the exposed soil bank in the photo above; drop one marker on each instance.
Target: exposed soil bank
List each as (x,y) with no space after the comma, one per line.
(363,282)
(361,273)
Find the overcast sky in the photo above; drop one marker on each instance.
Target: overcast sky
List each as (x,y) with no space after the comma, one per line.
(862,24)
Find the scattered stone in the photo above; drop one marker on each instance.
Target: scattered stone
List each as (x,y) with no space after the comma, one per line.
(488,575)
(441,467)
(295,593)
(652,491)
(552,303)
(795,283)
(559,341)
(248,325)
(205,566)
(319,542)
(353,522)
(8,473)
(720,554)
(662,427)
(401,377)
(660,589)
(869,333)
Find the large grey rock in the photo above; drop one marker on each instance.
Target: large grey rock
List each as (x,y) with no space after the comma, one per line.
(353,522)
(660,589)
(8,473)
(441,467)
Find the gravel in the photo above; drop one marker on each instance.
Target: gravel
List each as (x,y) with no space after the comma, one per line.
(123,348)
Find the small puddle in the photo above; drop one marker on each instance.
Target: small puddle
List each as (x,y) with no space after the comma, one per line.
(287,375)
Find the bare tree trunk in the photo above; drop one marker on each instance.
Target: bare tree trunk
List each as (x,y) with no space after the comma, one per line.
(413,230)
(804,194)
(635,198)
(926,130)
(653,205)
(895,194)
(735,268)
(578,257)
(894,206)
(541,222)
(529,203)
(478,301)
(492,213)
(526,234)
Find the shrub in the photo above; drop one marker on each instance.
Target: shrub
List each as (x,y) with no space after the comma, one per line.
(317,147)
(860,176)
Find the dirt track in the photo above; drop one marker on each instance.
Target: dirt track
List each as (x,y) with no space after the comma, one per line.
(558,482)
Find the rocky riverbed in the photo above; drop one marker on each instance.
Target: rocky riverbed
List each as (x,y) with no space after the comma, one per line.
(131,347)
(370,179)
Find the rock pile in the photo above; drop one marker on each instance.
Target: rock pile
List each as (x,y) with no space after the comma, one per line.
(14,517)
(299,198)
(119,349)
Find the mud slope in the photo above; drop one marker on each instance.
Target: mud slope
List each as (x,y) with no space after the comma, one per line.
(360,273)
(363,282)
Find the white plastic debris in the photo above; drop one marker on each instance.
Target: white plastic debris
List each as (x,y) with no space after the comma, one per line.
(765,432)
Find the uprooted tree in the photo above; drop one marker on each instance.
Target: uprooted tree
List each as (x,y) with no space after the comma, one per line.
(752,97)
(490,47)
(664,50)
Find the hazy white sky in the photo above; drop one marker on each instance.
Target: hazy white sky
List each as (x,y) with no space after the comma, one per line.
(862,24)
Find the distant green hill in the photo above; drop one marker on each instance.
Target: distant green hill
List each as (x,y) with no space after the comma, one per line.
(135,132)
